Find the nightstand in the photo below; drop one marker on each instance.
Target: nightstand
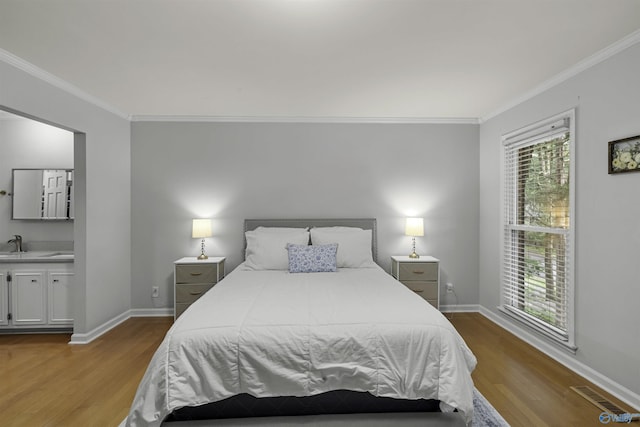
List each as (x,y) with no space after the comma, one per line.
(421,275)
(192,278)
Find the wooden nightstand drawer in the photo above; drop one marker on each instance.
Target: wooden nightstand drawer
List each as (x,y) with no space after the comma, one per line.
(427,290)
(193,273)
(190,293)
(421,275)
(192,278)
(179,309)
(433,302)
(418,271)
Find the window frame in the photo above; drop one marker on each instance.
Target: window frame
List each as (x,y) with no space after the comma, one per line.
(532,134)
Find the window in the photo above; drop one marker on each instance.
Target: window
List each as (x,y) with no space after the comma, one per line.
(537,274)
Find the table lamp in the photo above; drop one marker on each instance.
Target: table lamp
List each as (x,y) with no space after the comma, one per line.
(414,228)
(201,229)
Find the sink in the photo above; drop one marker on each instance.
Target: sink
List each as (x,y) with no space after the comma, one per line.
(36,254)
(57,255)
(8,254)
(39,254)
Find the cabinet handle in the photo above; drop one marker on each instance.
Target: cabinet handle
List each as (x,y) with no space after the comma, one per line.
(196,274)
(418,272)
(55,280)
(195,293)
(34,281)
(417,291)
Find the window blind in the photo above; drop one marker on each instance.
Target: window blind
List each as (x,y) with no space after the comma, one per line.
(537,279)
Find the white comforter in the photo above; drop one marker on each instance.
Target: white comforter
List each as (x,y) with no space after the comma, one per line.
(272,333)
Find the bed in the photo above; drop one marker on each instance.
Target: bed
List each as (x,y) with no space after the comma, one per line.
(324,325)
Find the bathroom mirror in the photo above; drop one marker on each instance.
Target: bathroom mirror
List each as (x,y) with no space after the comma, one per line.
(43,194)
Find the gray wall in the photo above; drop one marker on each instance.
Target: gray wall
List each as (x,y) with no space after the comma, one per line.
(233,171)
(607,225)
(136,199)
(29,144)
(103,188)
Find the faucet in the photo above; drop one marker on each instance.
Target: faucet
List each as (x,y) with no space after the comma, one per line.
(17,241)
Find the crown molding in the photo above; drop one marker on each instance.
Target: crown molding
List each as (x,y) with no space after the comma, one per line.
(57,82)
(579,67)
(6,115)
(576,69)
(302,119)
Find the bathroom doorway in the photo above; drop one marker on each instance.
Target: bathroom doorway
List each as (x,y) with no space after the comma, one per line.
(37,146)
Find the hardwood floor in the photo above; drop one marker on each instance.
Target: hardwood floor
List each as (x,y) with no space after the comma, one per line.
(527,387)
(46,382)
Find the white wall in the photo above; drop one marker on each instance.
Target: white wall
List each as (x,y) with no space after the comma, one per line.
(607,225)
(28,144)
(233,171)
(102,225)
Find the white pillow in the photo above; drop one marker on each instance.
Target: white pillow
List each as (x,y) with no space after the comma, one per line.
(354,245)
(268,250)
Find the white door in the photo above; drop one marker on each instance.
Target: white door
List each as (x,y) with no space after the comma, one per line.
(28,298)
(27,194)
(70,196)
(55,193)
(60,285)
(4,300)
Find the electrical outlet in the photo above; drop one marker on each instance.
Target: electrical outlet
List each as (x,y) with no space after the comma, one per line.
(449,288)
(155,292)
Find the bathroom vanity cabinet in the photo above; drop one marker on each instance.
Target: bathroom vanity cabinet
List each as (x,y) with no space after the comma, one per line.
(36,296)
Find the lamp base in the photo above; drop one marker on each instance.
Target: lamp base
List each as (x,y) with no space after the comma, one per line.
(202,255)
(413,249)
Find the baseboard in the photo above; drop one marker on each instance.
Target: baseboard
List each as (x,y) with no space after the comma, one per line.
(151,312)
(110,324)
(460,308)
(561,356)
(100,330)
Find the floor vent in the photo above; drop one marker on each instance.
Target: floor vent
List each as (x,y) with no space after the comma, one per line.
(599,400)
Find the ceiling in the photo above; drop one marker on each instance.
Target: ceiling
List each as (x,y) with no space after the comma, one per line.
(389,59)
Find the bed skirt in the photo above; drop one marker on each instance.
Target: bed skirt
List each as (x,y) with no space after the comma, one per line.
(332,402)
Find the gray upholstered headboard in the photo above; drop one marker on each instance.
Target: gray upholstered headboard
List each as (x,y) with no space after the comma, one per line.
(364,223)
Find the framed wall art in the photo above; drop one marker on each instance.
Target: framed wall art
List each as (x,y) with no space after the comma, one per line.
(624,155)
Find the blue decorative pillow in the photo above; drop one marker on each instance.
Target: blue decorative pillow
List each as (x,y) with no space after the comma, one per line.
(312,258)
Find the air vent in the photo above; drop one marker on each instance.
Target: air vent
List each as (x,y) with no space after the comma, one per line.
(599,400)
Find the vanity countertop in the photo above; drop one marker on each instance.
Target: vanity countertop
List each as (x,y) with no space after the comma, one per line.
(36,257)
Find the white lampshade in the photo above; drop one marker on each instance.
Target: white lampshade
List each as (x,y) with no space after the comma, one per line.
(414,227)
(201,228)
